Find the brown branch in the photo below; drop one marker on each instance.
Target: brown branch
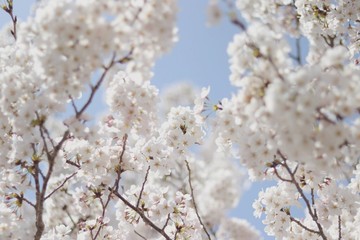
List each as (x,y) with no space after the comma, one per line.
(28,202)
(312,196)
(303,226)
(115,186)
(138,13)
(298,40)
(194,202)
(104,206)
(142,215)
(141,236)
(61,185)
(307,202)
(73,163)
(118,169)
(41,174)
(51,155)
(167,221)
(176,233)
(339,225)
(73,104)
(9,9)
(71,219)
(281,178)
(297,57)
(48,136)
(298,51)
(47,151)
(39,205)
(275,68)
(143,187)
(330,40)
(91,233)
(40,194)
(95,88)
(281,155)
(323,116)
(234,20)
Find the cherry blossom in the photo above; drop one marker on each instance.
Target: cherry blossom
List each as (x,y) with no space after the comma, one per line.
(138,172)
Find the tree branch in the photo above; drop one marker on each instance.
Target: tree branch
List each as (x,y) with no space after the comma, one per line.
(9,9)
(141,236)
(303,226)
(339,225)
(115,186)
(281,178)
(28,202)
(167,221)
(142,215)
(307,202)
(142,187)
(194,202)
(61,185)
(95,88)
(118,168)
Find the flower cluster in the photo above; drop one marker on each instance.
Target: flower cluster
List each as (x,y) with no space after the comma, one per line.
(63,172)
(127,175)
(297,123)
(132,104)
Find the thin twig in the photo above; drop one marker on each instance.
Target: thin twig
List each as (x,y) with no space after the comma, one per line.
(138,13)
(142,187)
(115,186)
(298,50)
(61,185)
(323,116)
(339,225)
(139,235)
(167,221)
(238,23)
(9,9)
(41,174)
(28,202)
(40,193)
(69,215)
(242,26)
(51,155)
(281,178)
(104,206)
(303,226)
(194,202)
(39,205)
(48,136)
(142,215)
(119,169)
(72,163)
(312,196)
(47,151)
(307,202)
(96,87)
(73,104)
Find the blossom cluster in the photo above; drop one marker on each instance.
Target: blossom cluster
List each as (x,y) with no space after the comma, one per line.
(126,175)
(135,174)
(294,118)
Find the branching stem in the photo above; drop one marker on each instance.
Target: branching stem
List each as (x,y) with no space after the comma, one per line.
(194,202)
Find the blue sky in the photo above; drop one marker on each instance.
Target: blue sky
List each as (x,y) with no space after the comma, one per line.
(199,57)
